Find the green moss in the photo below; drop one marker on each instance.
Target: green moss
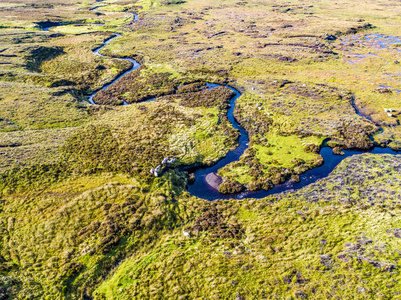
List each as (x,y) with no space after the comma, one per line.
(283,149)
(92,221)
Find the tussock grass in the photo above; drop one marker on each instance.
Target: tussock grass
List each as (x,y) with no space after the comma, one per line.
(292,246)
(80,213)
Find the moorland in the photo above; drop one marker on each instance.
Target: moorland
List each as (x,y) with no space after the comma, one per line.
(81,216)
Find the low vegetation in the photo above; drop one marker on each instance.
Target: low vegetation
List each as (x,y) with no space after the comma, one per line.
(337,230)
(82,216)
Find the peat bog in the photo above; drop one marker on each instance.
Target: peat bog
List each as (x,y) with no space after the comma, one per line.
(291,106)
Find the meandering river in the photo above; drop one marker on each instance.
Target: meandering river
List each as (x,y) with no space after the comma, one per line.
(201,188)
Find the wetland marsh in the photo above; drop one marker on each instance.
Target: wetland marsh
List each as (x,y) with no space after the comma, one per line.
(291,106)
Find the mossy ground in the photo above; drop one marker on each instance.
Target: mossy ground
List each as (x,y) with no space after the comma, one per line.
(341,230)
(280,57)
(80,213)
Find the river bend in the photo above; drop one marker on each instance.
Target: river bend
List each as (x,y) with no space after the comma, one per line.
(200,188)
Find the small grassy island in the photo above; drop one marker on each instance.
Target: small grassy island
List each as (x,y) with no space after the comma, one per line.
(121,119)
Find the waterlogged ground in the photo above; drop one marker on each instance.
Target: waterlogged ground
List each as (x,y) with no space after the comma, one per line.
(81,215)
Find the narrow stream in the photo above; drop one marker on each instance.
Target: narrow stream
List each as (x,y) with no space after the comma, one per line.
(200,188)
(135,64)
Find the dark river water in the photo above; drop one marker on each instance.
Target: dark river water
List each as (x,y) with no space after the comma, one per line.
(200,188)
